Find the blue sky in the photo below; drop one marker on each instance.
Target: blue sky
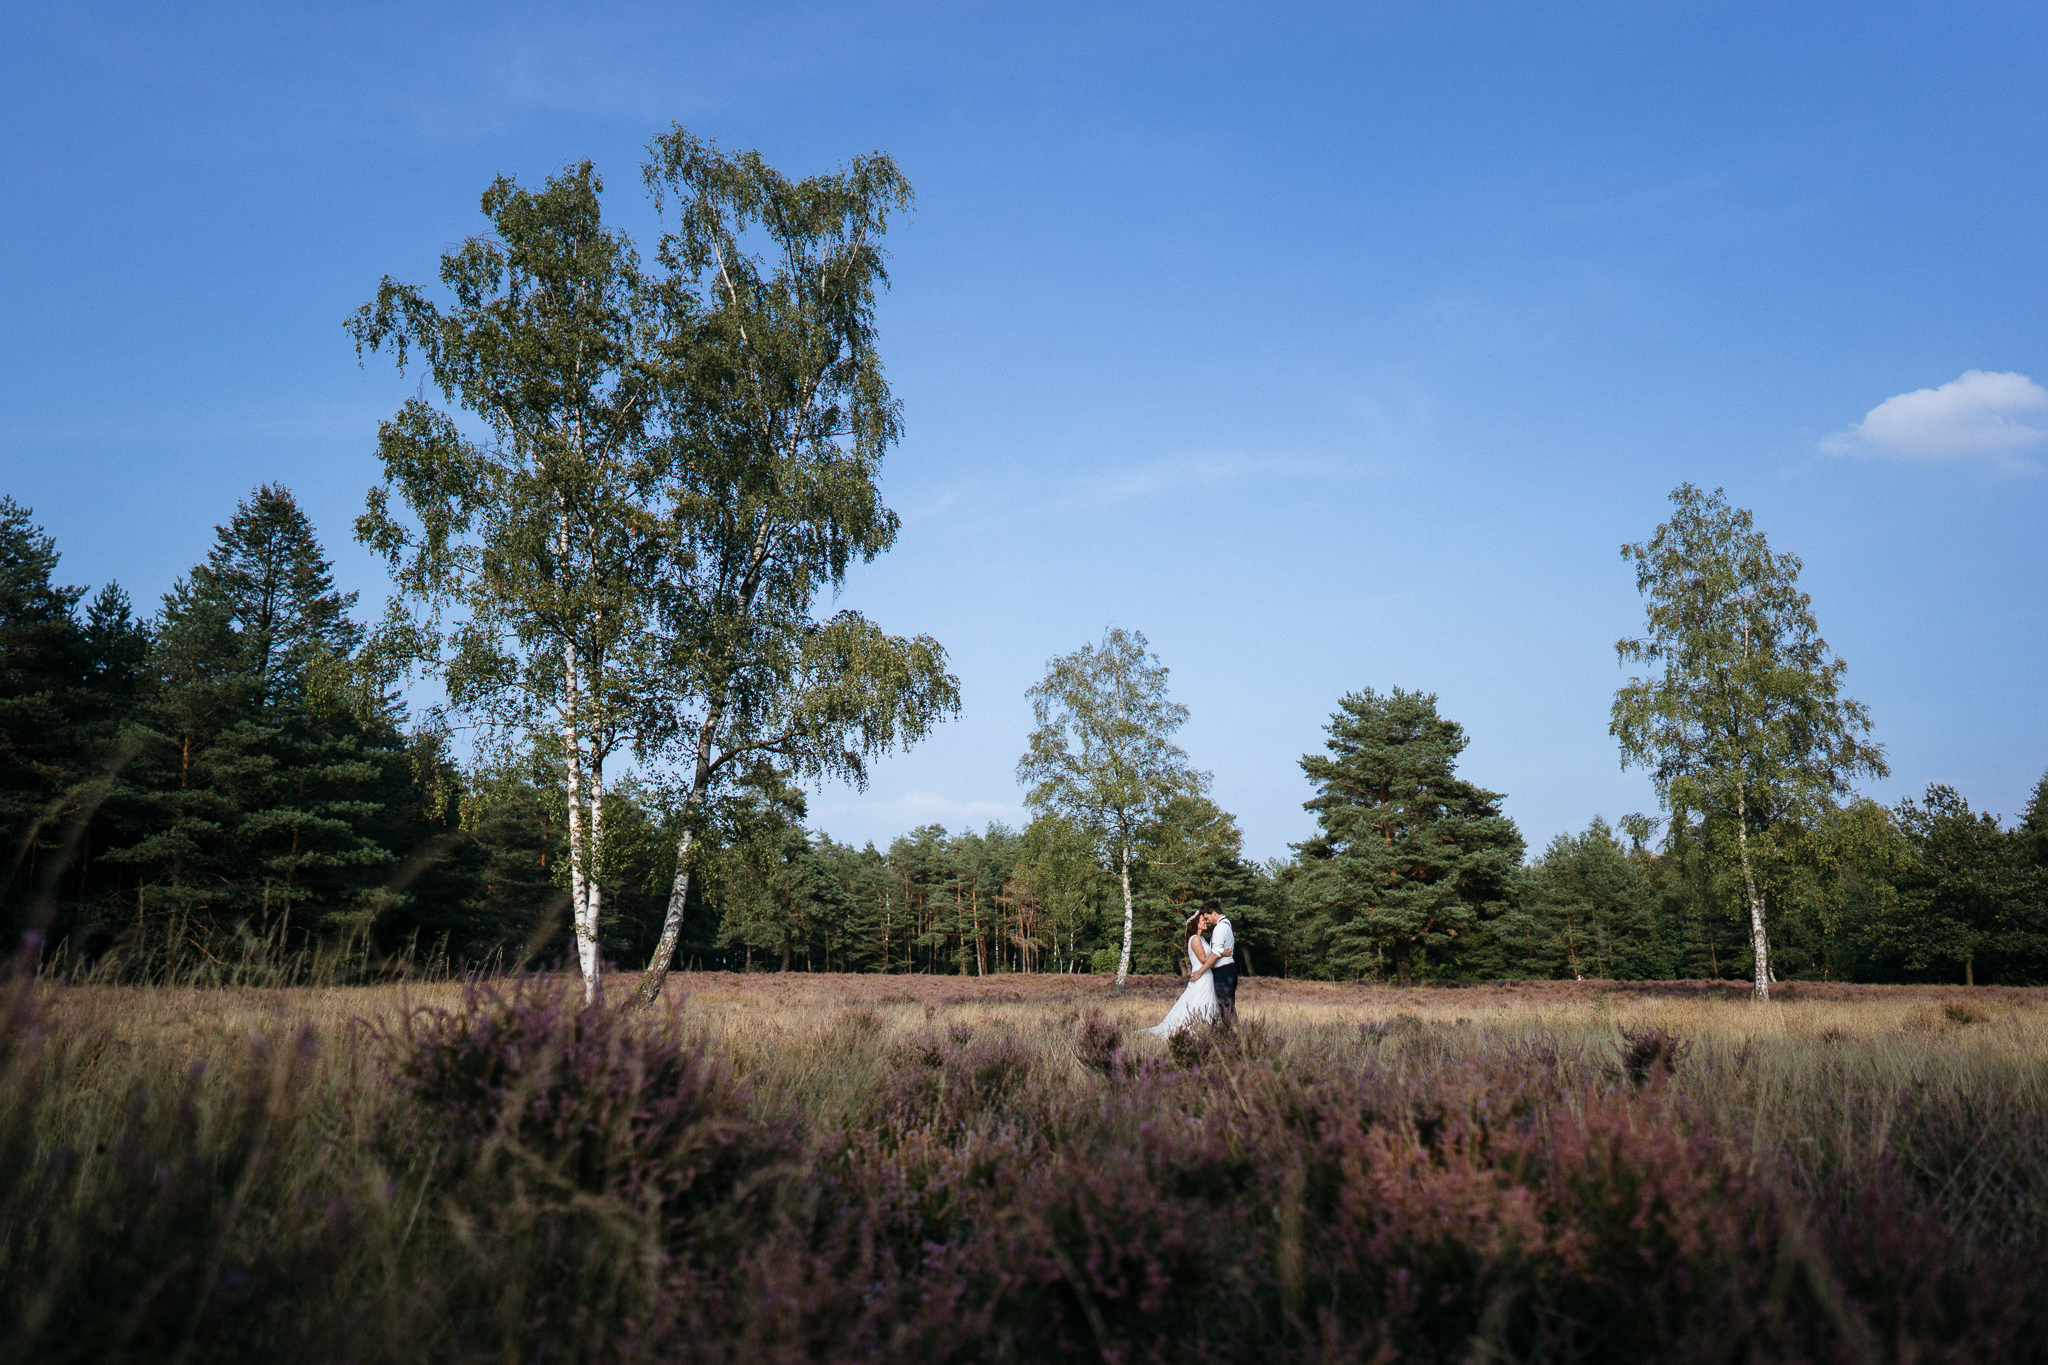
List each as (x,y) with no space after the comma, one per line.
(1330,346)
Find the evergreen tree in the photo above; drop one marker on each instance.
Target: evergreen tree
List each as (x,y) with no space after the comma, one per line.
(1588,909)
(1971,894)
(282,793)
(1192,852)
(1410,856)
(266,573)
(43,670)
(2034,827)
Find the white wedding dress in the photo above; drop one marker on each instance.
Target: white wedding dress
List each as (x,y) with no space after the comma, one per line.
(1198,1001)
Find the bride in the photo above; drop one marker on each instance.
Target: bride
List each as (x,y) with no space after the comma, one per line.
(1198,1001)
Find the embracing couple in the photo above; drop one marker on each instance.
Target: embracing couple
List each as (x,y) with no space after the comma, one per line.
(1212,973)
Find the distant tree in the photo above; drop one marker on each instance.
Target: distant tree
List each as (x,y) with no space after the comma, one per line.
(1060,873)
(1410,855)
(1101,752)
(1971,892)
(781,416)
(1743,717)
(1597,909)
(2034,825)
(267,575)
(1193,852)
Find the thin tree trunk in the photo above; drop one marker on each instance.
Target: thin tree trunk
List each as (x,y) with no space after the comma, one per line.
(579,866)
(1123,964)
(980,941)
(679,889)
(1401,952)
(593,886)
(1757,940)
(672,923)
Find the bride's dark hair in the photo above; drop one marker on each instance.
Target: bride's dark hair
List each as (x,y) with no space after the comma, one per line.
(1194,920)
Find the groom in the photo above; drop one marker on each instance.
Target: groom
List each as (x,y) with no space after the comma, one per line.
(1223,971)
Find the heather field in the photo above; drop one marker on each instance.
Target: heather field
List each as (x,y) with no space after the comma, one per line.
(866,1168)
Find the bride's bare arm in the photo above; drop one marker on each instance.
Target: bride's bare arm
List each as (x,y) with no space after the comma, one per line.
(1201,950)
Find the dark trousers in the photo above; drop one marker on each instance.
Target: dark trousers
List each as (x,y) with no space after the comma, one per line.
(1225,977)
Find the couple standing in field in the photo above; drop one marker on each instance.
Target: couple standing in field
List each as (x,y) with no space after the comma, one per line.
(1212,973)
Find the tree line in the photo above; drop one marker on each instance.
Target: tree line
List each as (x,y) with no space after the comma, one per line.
(226,774)
(608,542)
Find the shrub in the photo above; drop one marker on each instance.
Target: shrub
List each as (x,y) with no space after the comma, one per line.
(1962,1013)
(533,1090)
(1099,1044)
(1650,1055)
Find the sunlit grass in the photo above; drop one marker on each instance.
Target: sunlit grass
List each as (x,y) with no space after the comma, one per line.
(924,1167)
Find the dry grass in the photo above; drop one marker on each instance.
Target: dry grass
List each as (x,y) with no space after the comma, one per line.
(780,1028)
(1800,1113)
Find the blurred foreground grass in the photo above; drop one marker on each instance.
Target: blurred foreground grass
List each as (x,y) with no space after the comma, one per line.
(915,1168)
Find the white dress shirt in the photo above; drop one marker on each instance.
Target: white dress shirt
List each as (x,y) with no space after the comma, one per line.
(1221,941)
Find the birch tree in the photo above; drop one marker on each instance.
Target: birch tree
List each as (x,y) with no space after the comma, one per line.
(1102,754)
(1739,715)
(780,417)
(524,570)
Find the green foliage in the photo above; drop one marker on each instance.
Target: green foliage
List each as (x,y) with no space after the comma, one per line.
(65,689)
(1101,753)
(1743,719)
(1193,851)
(1953,896)
(227,782)
(541,538)
(1585,908)
(1410,857)
(779,417)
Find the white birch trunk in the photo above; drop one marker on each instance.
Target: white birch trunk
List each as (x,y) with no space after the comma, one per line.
(593,889)
(582,884)
(1123,964)
(671,924)
(1757,940)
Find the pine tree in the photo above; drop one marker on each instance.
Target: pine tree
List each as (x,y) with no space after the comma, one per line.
(1970,894)
(266,572)
(1410,856)
(1193,852)
(2034,827)
(1597,911)
(43,667)
(282,791)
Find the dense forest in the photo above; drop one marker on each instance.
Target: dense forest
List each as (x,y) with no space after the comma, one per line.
(232,775)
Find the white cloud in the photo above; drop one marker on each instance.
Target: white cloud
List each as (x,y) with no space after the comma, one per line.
(1992,418)
(857,822)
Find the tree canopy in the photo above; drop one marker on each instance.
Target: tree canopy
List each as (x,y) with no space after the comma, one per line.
(1410,856)
(1740,716)
(1102,755)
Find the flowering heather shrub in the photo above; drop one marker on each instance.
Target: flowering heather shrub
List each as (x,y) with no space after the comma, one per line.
(1099,1045)
(513,1177)
(1650,1055)
(567,1101)
(945,1082)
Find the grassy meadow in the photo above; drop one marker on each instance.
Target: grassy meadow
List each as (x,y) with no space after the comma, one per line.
(883,1168)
